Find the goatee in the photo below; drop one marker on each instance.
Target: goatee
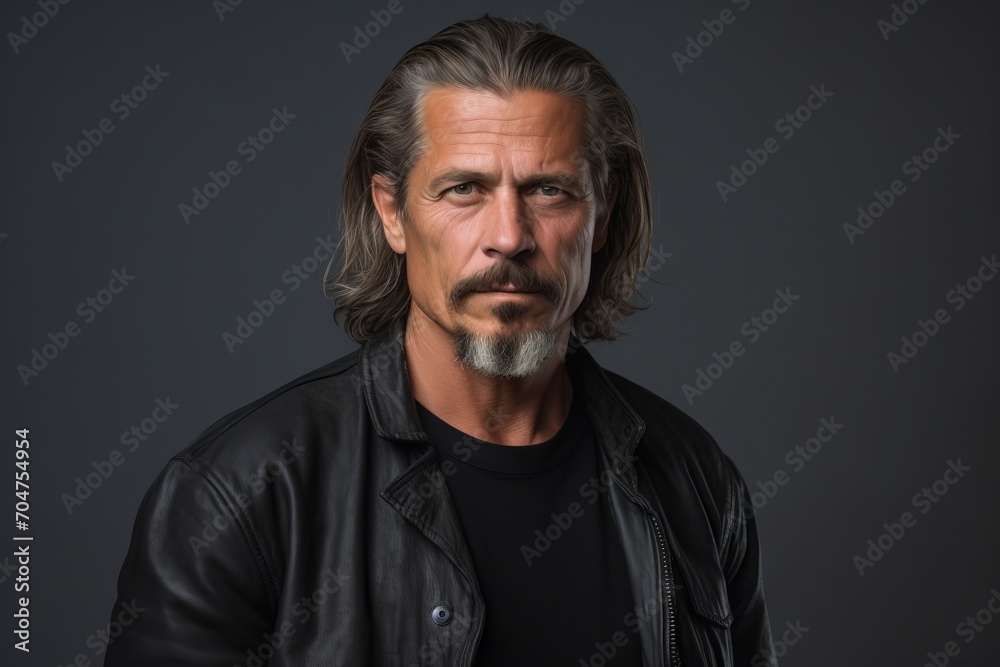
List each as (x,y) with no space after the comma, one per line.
(505,355)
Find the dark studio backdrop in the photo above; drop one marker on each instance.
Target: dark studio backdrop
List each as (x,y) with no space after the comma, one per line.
(824,280)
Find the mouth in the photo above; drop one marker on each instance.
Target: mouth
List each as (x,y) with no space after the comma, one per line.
(505,288)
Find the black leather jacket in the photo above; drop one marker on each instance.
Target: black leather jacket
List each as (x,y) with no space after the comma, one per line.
(314,527)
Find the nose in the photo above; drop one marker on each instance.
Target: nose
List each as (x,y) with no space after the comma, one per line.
(508,229)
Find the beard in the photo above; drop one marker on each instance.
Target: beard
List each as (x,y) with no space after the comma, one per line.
(507,354)
(512,352)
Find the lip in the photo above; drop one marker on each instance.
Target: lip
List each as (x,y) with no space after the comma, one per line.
(506,288)
(504,291)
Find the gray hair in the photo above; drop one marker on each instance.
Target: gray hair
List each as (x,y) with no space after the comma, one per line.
(501,57)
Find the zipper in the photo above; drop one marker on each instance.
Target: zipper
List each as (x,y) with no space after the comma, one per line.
(666,569)
(668,577)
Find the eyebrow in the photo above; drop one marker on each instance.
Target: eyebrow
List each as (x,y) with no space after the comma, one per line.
(458,176)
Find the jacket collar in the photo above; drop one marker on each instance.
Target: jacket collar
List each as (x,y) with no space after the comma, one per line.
(616,424)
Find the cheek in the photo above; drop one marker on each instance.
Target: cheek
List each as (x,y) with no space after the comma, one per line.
(578,260)
(437,229)
(436,255)
(576,255)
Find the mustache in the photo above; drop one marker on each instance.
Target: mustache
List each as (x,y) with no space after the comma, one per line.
(506,272)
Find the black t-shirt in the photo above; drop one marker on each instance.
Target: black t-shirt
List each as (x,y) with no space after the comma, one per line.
(556,587)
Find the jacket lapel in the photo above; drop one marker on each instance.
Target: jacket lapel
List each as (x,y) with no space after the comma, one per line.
(420,492)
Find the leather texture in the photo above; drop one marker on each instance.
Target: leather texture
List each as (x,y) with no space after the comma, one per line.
(314,527)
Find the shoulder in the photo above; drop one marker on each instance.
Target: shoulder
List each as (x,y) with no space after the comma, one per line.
(279,426)
(670,431)
(684,462)
(227,495)
(680,454)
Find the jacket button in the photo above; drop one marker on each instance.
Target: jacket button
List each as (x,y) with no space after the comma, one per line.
(628,430)
(441,614)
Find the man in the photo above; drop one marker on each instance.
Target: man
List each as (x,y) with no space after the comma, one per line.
(469,487)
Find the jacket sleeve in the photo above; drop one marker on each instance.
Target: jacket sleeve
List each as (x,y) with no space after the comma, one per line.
(750,629)
(191,591)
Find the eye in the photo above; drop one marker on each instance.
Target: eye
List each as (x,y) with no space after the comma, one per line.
(462,189)
(549,190)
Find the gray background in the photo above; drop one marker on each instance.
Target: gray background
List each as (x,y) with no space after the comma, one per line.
(826,357)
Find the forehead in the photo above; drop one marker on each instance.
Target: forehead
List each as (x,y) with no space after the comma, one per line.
(541,128)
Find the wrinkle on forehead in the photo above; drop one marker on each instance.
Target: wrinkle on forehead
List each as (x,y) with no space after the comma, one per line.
(473,124)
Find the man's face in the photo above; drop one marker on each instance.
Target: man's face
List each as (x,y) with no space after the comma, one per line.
(501,224)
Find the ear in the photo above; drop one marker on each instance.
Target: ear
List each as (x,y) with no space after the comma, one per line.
(385,203)
(601,225)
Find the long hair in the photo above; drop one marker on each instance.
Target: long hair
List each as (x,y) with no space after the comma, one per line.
(501,57)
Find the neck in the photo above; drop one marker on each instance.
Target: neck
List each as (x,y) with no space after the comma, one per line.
(507,411)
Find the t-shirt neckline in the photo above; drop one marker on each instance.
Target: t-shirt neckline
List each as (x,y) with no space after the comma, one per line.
(507,459)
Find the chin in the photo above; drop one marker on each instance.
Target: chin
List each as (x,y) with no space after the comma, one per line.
(508,350)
